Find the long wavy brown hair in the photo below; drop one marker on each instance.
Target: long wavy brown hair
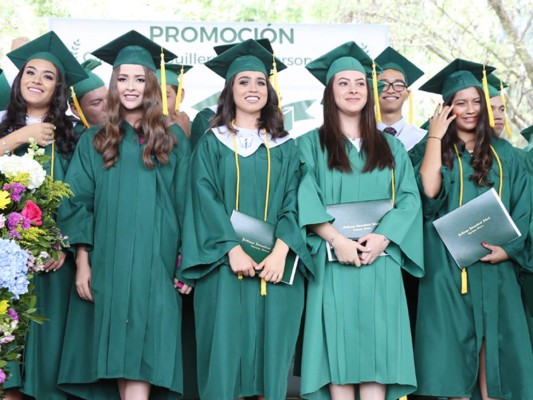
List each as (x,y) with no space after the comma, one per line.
(159,141)
(271,118)
(482,155)
(374,145)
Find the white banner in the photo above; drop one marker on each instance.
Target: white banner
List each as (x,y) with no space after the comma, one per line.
(193,42)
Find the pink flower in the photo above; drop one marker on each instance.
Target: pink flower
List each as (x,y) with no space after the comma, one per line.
(7,339)
(13,314)
(33,213)
(2,376)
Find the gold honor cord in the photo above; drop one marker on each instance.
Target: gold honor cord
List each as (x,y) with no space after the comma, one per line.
(237,191)
(162,68)
(464,275)
(376,92)
(180,88)
(78,108)
(393,187)
(52,161)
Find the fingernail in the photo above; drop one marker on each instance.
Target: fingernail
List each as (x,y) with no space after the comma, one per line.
(484,243)
(180,285)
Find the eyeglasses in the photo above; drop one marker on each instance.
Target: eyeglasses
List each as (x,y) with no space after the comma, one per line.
(397,86)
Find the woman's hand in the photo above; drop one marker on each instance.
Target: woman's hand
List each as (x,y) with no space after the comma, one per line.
(441,120)
(43,133)
(83,275)
(273,265)
(182,287)
(54,265)
(347,250)
(240,262)
(497,254)
(375,245)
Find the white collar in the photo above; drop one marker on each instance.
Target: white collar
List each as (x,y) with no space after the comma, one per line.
(398,126)
(248,140)
(356,143)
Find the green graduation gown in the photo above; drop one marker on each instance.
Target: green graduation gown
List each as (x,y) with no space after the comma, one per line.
(130,218)
(245,341)
(200,125)
(42,354)
(356,322)
(451,327)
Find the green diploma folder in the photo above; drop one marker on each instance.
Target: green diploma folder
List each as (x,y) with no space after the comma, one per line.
(257,239)
(357,219)
(483,219)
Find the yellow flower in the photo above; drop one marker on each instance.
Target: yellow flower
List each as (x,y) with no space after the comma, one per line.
(4,305)
(5,199)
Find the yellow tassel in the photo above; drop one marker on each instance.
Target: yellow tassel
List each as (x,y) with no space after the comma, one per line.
(464,281)
(411,111)
(487,97)
(239,275)
(263,287)
(403,398)
(163,84)
(376,93)
(78,107)
(274,79)
(508,131)
(180,88)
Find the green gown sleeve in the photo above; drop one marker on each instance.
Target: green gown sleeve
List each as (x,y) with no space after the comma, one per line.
(76,214)
(403,224)
(520,209)
(200,125)
(209,235)
(287,228)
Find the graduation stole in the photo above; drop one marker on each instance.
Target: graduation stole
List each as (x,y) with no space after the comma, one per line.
(237,191)
(464,275)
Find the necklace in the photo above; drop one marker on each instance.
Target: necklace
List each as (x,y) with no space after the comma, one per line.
(30,119)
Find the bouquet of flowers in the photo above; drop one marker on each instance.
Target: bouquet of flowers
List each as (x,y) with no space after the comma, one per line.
(29,238)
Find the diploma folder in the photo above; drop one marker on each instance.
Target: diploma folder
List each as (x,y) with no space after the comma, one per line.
(357,219)
(257,239)
(483,219)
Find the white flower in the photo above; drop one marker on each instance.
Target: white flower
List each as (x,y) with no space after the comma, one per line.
(13,165)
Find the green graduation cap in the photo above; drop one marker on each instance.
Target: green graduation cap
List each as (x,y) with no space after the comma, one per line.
(347,57)
(495,85)
(458,75)
(5,91)
(527,133)
(391,59)
(245,56)
(133,48)
(91,83)
(50,48)
(172,72)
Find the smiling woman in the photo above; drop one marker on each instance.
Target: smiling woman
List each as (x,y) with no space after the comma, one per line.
(245,164)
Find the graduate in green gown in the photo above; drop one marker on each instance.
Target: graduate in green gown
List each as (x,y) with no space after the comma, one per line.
(246,162)
(88,99)
(471,334)
(357,339)
(129,178)
(37,109)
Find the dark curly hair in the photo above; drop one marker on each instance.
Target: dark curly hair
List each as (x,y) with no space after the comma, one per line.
(15,117)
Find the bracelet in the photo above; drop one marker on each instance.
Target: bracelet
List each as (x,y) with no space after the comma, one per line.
(6,151)
(331,239)
(434,137)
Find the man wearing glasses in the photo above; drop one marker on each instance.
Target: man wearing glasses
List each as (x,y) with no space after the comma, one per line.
(398,74)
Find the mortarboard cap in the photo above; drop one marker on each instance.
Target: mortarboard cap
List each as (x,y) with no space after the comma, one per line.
(92,82)
(133,48)
(391,59)
(172,72)
(458,75)
(495,85)
(347,57)
(50,48)
(245,56)
(527,133)
(224,47)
